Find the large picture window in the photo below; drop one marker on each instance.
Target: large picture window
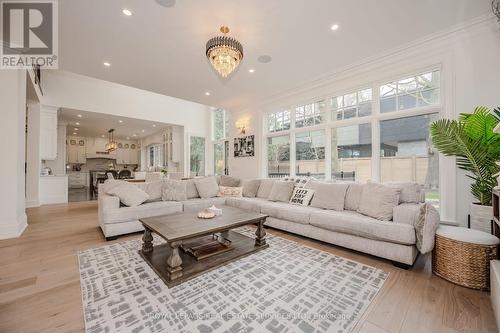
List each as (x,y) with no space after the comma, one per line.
(221,124)
(278,156)
(407,153)
(197,155)
(352,153)
(310,154)
(363,136)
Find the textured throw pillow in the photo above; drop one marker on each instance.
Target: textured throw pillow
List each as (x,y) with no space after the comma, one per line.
(250,187)
(174,190)
(353,196)
(329,196)
(130,195)
(207,187)
(410,192)
(425,228)
(110,184)
(378,201)
(301,196)
(228,191)
(281,191)
(229,181)
(153,189)
(191,190)
(266,185)
(299,181)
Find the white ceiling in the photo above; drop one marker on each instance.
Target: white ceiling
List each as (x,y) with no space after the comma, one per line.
(97,125)
(163,49)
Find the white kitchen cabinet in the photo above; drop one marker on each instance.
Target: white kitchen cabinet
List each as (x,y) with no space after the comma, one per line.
(53,189)
(48,133)
(134,156)
(76,150)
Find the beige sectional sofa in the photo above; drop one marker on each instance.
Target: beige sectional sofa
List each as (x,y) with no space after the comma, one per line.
(394,240)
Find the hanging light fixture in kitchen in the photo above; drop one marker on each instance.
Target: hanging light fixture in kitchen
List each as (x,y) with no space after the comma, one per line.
(111,145)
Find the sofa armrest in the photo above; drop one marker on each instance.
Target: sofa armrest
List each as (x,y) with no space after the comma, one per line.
(106,203)
(406,213)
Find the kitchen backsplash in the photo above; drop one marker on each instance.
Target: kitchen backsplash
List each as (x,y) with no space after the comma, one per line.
(100,164)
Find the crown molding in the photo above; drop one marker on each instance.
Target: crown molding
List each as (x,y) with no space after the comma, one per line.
(325,79)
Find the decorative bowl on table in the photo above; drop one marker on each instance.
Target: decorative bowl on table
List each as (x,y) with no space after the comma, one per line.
(206,214)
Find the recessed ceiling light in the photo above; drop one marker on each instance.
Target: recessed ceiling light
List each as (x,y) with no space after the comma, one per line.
(134,134)
(76,129)
(127,12)
(74,133)
(107,64)
(77,124)
(143,131)
(79,115)
(128,137)
(334,27)
(207,94)
(251,70)
(154,125)
(120,121)
(102,136)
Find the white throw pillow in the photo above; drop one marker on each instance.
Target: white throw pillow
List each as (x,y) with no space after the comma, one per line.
(153,189)
(281,191)
(301,196)
(353,196)
(174,190)
(410,192)
(329,196)
(207,187)
(130,195)
(265,187)
(229,191)
(250,187)
(425,228)
(378,201)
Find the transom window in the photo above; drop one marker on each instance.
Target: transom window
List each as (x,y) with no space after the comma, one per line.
(279,121)
(409,93)
(221,124)
(310,114)
(352,105)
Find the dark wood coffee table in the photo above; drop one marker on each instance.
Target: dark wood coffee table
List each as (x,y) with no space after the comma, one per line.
(175,265)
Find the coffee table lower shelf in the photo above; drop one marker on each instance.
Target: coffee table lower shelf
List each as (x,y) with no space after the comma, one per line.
(191,267)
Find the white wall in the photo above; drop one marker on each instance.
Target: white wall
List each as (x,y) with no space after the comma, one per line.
(33,155)
(468,56)
(12,178)
(68,90)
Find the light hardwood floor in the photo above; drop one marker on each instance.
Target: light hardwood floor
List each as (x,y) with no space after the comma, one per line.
(40,288)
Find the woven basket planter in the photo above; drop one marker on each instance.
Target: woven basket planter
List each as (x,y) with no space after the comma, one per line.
(465,264)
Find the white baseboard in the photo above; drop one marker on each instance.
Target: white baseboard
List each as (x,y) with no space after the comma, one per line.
(32,203)
(13,228)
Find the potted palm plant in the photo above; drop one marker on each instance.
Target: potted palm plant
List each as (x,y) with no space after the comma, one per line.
(476,146)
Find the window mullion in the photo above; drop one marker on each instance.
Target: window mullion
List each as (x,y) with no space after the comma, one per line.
(376,133)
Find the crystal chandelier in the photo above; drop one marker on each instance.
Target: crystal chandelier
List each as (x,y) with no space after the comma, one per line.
(111,145)
(224,53)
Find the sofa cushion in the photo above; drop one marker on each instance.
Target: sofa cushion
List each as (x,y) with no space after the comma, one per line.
(251,204)
(130,195)
(174,190)
(406,213)
(110,184)
(353,196)
(250,187)
(329,195)
(410,191)
(353,223)
(282,191)
(198,204)
(301,196)
(191,190)
(228,191)
(229,181)
(126,214)
(266,185)
(378,201)
(207,187)
(285,211)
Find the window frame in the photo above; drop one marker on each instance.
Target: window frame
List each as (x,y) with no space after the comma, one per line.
(374,119)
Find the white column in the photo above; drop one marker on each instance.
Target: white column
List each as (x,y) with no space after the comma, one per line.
(12,176)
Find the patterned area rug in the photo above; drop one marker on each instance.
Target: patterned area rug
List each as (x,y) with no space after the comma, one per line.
(287,287)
